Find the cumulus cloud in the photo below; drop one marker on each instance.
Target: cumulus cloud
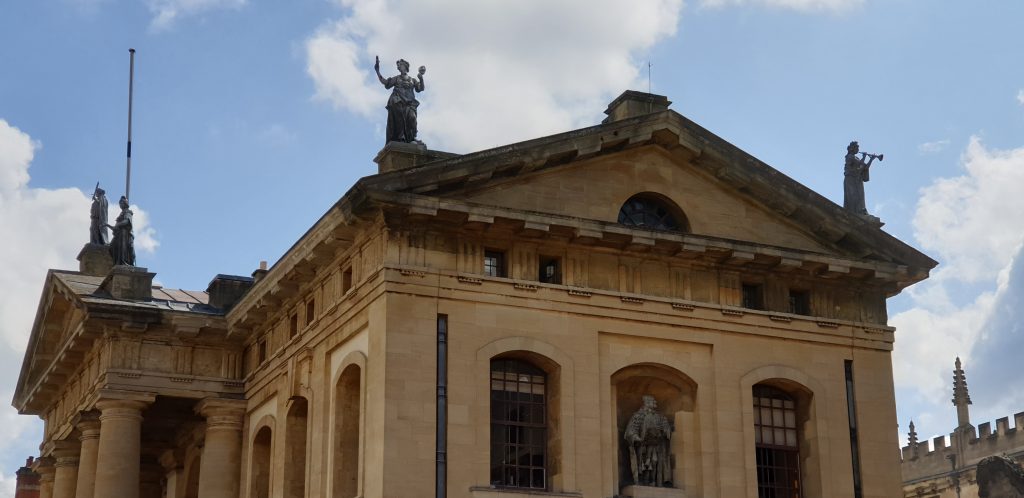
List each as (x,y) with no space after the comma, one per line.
(972,223)
(167,12)
(499,73)
(933,147)
(800,5)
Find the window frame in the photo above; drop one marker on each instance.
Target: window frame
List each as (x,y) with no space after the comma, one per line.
(500,268)
(779,462)
(529,434)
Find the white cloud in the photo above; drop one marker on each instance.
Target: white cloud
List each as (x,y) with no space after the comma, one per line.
(972,223)
(933,147)
(499,73)
(166,12)
(1020,96)
(7,484)
(800,5)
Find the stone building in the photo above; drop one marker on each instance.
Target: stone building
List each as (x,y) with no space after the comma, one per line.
(486,325)
(937,471)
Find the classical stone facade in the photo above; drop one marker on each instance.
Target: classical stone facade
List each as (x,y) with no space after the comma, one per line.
(937,471)
(485,325)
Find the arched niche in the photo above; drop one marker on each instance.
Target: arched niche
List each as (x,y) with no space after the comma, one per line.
(675,394)
(347,430)
(296,429)
(259,484)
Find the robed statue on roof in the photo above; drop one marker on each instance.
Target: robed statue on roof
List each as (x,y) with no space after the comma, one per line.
(98,217)
(402,105)
(122,246)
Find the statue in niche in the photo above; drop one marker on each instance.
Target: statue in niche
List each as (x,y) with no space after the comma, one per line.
(855,173)
(648,435)
(122,246)
(98,217)
(402,104)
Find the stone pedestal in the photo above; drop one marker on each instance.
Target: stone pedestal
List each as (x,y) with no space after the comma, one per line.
(95,260)
(400,155)
(652,492)
(129,282)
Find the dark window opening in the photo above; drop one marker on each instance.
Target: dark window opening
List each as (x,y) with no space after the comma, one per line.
(346,280)
(494,263)
(753,296)
(550,270)
(293,325)
(262,351)
(799,302)
(310,311)
(776,444)
(518,425)
(646,212)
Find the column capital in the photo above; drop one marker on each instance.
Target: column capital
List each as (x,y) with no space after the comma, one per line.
(45,467)
(122,404)
(222,413)
(65,453)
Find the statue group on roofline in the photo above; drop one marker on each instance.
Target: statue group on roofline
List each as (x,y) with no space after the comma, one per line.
(122,245)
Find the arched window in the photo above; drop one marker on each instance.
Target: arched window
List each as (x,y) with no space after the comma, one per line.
(653,212)
(777,443)
(519,425)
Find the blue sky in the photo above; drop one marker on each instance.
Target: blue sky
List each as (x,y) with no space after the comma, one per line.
(252,117)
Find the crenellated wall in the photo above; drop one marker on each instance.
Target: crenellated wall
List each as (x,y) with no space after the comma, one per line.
(922,461)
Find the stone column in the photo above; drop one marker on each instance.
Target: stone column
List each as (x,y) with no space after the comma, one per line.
(117,462)
(65,477)
(88,426)
(221,462)
(45,469)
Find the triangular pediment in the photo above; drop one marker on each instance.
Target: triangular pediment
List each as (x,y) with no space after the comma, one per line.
(589,173)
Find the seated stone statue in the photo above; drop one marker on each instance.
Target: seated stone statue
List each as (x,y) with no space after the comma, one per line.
(648,435)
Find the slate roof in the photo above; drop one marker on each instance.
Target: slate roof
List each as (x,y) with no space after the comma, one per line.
(87,288)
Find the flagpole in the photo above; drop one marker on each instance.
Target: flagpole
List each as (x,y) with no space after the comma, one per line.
(131,82)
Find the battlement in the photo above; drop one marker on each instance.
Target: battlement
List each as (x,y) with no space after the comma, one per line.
(921,460)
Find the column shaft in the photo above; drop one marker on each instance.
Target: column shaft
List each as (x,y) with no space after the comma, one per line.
(220,467)
(117,462)
(90,438)
(66,477)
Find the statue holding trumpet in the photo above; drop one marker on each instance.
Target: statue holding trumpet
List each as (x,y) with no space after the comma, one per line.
(856,172)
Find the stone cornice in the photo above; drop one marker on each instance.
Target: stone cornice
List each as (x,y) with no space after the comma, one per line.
(686,246)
